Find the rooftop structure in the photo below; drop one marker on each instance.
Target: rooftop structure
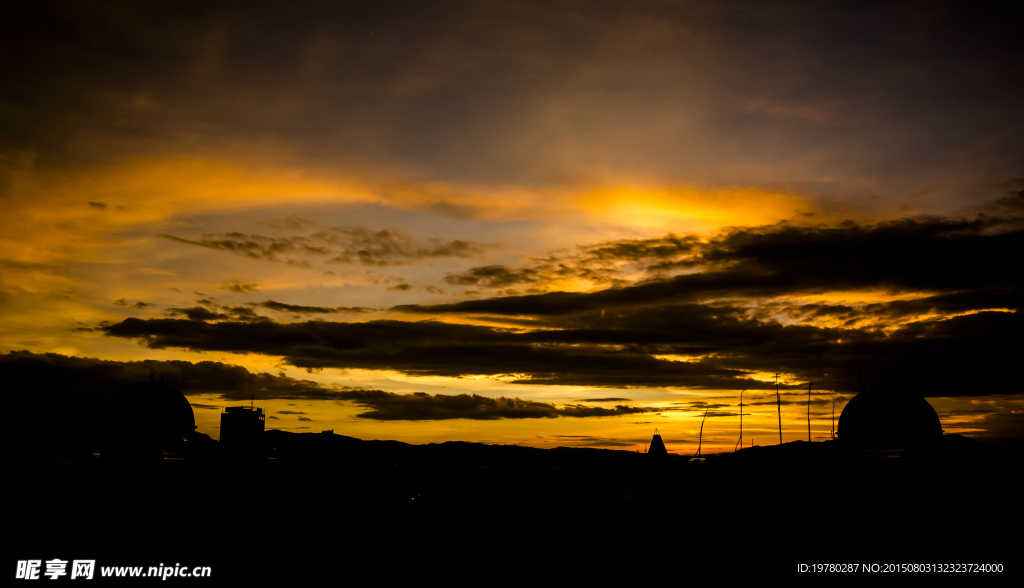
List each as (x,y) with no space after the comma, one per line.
(241,426)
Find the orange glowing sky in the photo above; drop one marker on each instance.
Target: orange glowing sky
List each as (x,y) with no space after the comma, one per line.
(387,163)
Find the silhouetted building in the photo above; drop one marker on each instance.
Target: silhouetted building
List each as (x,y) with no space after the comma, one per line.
(657,446)
(143,420)
(241,427)
(888,419)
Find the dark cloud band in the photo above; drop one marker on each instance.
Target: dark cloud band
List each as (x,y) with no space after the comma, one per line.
(81,381)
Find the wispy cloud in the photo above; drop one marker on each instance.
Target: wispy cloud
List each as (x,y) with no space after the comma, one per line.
(339,245)
(239,287)
(388,406)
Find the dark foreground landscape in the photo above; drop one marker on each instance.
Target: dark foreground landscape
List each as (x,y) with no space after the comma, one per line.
(327,505)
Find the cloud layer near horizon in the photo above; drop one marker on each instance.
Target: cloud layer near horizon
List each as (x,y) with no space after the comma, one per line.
(740,310)
(79,382)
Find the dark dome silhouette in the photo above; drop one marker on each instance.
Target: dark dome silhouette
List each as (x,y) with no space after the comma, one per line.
(887,419)
(146,414)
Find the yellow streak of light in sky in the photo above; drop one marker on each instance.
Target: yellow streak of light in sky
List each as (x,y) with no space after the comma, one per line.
(693,210)
(943,316)
(855,296)
(681,358)
(784,378)
(889,325)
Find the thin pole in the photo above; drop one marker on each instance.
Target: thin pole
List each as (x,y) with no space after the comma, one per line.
(741,415)
(740,443)
(808,412)
(778,404)
(700,438)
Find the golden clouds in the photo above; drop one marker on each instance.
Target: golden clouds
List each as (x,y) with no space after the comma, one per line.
(56,216)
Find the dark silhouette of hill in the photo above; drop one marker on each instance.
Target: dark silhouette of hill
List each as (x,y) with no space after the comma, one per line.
(333,498)
(306,446)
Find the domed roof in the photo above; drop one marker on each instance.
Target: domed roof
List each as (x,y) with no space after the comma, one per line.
(888,419)
(147,409)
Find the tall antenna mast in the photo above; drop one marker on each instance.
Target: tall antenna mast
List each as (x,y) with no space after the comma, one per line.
(701,438)
(778,400)
(809,412)
(833,418)
(740,444)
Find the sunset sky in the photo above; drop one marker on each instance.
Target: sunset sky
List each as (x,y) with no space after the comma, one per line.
(542,223)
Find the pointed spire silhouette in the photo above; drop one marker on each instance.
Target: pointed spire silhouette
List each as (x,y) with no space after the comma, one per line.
(657,446)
